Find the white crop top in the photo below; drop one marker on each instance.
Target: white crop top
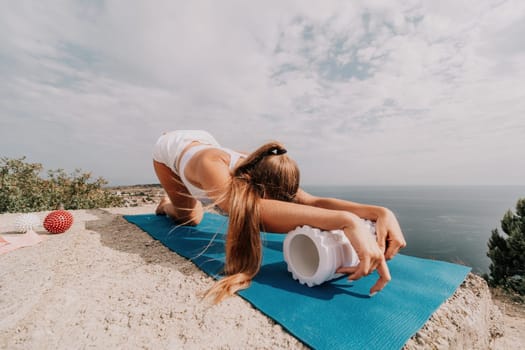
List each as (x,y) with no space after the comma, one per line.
(196,192)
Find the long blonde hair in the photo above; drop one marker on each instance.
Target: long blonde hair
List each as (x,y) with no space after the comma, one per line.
(266,173)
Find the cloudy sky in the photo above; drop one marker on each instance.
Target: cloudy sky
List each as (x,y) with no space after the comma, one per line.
(361,92)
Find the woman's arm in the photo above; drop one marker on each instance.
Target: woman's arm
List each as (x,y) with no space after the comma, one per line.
(364,211)
(389,235)
(278,216)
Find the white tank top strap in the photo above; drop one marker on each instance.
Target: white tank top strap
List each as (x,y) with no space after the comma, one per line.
(190,152)
(234,157)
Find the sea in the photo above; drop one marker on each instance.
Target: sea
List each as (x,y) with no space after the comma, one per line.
(449,223)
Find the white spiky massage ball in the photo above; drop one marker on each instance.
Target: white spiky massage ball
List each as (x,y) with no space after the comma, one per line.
(26,222)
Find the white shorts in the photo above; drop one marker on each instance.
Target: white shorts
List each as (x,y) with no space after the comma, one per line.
(170,145)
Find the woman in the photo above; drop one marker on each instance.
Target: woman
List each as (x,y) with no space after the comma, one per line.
(260,191)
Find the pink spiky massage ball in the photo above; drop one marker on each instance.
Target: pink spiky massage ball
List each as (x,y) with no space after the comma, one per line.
(58,221)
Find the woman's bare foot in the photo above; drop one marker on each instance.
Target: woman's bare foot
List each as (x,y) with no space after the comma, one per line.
(160,208)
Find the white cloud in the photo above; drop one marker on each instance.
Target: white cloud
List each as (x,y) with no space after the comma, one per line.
(406,92)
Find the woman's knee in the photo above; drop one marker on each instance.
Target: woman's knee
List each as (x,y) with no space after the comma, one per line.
(188,215)
(196,214)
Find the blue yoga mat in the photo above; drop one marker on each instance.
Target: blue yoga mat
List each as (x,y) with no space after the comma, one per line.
(335,315)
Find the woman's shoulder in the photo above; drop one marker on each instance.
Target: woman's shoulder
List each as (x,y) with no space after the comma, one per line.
(210,160)
(210,170)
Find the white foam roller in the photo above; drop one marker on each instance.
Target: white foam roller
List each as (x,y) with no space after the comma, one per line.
(314,255)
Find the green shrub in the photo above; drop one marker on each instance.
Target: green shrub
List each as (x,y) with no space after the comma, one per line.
(507,252)
(22,189)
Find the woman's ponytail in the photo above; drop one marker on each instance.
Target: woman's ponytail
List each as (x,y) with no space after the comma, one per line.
(257,177)
(243,241)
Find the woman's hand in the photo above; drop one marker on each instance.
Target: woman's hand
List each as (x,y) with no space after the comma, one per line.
(370,255)
(389,236)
